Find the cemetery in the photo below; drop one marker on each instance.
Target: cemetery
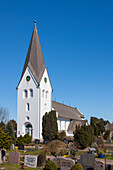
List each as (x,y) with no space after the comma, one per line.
(60,155)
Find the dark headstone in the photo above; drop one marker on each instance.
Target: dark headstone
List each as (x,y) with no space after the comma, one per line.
(21,146)
(14,157)
(87,161)
(36,147)
(64,163)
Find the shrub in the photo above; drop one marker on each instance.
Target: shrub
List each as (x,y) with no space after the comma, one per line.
(62,135)
(5,140)
(73,152)
(63,152)
(107,134)
(19,140)
(82,138)
(41,160)
(77,166)
(54,147)
(50,166)
(27,138)
(101,152)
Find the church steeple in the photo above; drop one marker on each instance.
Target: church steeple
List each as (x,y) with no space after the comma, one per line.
(34,59)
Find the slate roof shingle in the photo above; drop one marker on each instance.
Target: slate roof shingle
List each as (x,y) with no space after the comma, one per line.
(67,112)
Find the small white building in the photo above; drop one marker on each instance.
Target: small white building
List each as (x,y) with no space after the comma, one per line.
(34,96)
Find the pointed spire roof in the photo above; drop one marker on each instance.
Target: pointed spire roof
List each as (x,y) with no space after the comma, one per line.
(34,59)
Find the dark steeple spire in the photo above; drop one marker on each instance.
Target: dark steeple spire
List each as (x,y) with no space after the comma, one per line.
(34,59)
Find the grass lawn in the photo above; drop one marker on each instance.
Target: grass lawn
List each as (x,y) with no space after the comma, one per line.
(8,166)
(40,151)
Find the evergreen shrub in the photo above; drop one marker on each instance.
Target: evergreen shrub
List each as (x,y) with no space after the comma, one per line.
(50,166)
(41,160)
(77,166)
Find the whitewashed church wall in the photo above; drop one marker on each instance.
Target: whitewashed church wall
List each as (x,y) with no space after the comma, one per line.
(45,97)
(63,125)
(33,112)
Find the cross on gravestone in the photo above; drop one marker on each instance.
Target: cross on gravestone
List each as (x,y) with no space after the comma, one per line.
(31,161)
(14,157)
(64,163)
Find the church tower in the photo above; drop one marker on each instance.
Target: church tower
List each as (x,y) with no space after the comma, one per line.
(34,91)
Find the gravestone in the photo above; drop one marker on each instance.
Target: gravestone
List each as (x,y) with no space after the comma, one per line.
(64,163)
(0,157)
(21,146)
(14,157)
(31,161)
(87,161)
(99,165)
(36,147)
(12,147)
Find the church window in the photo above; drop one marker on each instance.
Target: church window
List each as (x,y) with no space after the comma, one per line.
(31,92)
(45,80)
(28,78)
(43,91)
(46,94)
(25,95)
(27,107)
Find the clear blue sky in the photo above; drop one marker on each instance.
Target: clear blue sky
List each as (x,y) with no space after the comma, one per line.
(77,44)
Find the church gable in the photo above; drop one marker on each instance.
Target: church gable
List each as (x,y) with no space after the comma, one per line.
(28,80)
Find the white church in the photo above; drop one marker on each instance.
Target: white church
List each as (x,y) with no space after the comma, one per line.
(34,96)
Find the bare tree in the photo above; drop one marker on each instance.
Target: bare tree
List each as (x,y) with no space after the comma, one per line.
(4,115)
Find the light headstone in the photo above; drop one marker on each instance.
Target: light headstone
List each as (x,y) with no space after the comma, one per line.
(12,147)
(31,161)
(0,157)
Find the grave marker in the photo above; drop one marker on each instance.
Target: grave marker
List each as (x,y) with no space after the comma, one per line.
(64,163)
(14,157)
(31,161)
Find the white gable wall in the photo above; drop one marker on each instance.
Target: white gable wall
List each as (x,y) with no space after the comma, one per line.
(33,112)
(45,97)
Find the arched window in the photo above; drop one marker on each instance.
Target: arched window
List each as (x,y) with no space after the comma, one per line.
(25,93)
(43,91)
(27,107)
(31,92)
(29,129)
(46,94)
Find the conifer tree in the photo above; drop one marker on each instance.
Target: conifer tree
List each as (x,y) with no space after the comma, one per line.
(49,126)
(10,132)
